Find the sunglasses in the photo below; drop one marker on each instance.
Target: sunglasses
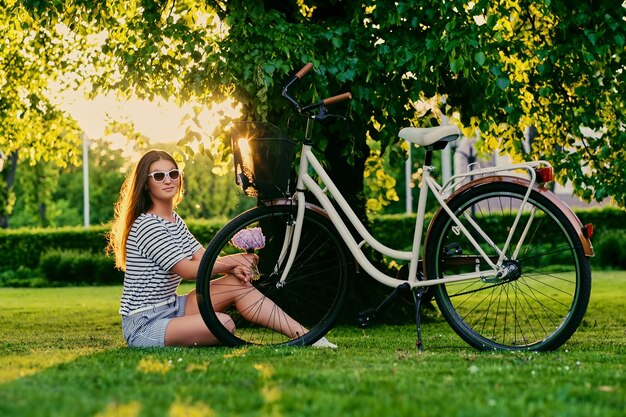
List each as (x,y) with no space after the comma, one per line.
(159,176)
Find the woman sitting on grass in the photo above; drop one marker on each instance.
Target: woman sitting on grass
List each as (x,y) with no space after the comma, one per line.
(153,246)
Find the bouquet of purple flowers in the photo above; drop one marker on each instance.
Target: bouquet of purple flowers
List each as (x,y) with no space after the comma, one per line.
(249,239)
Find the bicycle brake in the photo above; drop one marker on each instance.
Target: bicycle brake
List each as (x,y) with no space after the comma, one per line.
(329,116)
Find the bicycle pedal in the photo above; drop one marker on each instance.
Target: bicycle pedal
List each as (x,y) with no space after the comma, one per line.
(366,318)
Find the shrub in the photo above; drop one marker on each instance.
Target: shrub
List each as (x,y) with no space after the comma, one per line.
(204,230)
(24,247)
(610,248)
(21,277)
(76,267)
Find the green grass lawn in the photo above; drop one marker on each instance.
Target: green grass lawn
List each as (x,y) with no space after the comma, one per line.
(62,354)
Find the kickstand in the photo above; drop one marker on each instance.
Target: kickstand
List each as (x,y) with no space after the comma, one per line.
(418,294)
(367,317)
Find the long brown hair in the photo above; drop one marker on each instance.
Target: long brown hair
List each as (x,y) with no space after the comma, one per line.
(134,200)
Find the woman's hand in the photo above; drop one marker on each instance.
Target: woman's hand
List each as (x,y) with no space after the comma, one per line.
(241,265)
(243,273)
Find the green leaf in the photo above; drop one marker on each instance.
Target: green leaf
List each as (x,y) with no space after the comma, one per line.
(592,36)
(346,76)
(269,68)
(451,25)
(503,83)
(479,57)
(450,45)
(588,57)
(492,20)
(456,65)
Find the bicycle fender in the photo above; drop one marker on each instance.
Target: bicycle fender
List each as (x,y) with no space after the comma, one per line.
(524,182)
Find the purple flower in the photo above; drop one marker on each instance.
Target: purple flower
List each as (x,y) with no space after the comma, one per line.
(249,239)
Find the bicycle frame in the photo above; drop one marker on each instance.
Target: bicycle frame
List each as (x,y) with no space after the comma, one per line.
(305,181)
(505,259)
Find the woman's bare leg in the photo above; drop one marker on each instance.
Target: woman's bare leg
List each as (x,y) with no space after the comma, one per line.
(190,330)
(252,305)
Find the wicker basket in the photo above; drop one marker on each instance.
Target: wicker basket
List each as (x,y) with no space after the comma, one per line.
(263,156)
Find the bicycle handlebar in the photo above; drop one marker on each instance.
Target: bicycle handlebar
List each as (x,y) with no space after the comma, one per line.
(304,70)
(320,104)
(336,99)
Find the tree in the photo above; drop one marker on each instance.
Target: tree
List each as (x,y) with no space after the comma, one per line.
(502,66)
(34,188)
(561,69)
(49,195)
(7,179)
(32,129)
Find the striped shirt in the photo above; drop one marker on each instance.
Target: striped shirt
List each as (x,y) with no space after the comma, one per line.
(153,247)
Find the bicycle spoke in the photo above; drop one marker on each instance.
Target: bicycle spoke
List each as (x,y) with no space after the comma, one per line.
(297,309)
(537,302)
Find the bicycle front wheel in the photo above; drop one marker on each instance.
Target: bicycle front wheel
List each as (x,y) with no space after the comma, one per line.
(540,300)
(298,310)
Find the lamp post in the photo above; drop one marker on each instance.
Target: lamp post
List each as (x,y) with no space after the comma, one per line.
(85,140)
(446,154)
(408,168)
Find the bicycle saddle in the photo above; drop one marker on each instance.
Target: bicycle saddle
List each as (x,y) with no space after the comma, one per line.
(425,136)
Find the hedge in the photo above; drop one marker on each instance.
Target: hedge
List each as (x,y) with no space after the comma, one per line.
(609,239)
(76,267)
(396,229)
(24,248)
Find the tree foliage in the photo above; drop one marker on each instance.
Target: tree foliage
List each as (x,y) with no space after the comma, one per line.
(32,128)
(31,57)
(49,195)
(561,69)
(502,66)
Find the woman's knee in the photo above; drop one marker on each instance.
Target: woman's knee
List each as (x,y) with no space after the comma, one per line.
(226,321)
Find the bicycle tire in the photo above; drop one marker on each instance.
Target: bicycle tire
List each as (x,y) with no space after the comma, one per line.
(538,310)
(313,292)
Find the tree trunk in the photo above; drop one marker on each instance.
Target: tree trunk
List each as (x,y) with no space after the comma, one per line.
(8,179)
(43,214)
(348,175)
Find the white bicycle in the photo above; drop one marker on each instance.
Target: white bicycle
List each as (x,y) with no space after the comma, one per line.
(506,259)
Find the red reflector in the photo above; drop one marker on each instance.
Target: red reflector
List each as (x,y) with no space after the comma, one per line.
(588,230)
(545,174)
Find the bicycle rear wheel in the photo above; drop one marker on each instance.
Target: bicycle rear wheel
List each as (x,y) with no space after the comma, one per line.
(312,295)
(542,299)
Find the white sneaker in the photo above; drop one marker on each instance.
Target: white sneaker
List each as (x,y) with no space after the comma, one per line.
(324,343)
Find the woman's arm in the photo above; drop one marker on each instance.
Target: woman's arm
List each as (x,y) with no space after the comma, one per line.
(239,264)
(188,268)
(234,262)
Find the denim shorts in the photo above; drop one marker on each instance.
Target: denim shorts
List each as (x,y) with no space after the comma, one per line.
(146,328)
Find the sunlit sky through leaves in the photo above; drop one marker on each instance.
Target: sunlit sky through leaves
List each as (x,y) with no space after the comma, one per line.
(159,120)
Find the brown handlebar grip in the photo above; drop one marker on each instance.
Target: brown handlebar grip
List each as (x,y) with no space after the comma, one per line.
(304,70)
(336,99)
